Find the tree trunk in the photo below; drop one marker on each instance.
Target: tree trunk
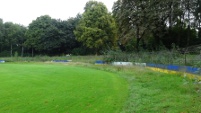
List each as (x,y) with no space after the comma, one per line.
(0,49)
(199,29)
(188,37)
(137,45)
(180,31)
(22,52)
(32,52)
(11,49)
(171,15)
(143,44)
(138,38)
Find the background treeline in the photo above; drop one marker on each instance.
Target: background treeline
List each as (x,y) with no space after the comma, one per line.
(44,36)
(133,25)
(156,24)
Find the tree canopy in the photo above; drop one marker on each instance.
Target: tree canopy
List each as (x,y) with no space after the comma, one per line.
(96,28)
(155,22)
(51,36)
(133,25)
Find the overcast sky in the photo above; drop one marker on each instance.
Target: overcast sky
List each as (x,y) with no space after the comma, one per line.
(24,11)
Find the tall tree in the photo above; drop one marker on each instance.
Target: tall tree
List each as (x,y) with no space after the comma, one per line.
(197,14)
(1,35)
(36,30)
(21,38)
(68,27)
(96,29)
(51,36)
(143,19)
(43,35)
(11,31)
(138,18)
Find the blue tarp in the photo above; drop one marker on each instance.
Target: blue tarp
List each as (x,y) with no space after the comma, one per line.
(173,67)
(188,69)
(99,62)
(2,61)
(193,70)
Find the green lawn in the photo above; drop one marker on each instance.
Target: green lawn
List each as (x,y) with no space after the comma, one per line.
(88,88)
(47,88)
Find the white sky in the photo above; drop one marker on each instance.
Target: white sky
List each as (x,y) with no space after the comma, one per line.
(24,11)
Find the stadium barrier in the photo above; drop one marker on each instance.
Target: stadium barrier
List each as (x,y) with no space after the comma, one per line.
(2,61)
(122,63)
(99,62)
(187,71)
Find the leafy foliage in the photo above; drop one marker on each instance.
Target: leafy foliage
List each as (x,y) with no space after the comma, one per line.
(96,28)
(13,36)
(134,25)
(155,20)
(51,36)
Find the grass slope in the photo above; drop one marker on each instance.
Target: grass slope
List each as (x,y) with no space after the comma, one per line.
(44,88)
(155,92)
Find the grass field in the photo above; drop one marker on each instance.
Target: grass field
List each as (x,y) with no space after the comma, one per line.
(47,88)
(88,88)
(155,92)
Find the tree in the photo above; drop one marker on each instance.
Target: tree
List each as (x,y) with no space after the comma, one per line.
(44,35)
(1,34)
(125,32)
(96,29)
(143,19)
(67,27)
(36,30)
(51,36)
(21,38)
(11,34)
(197,14)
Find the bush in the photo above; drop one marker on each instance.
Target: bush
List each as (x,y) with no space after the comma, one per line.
(160,57)
(118,55)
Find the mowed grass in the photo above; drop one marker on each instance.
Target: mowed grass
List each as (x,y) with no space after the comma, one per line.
(47,88)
